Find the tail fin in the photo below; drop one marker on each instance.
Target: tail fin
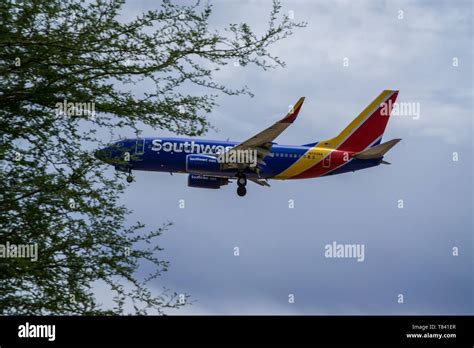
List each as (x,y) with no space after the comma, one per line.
(366,129)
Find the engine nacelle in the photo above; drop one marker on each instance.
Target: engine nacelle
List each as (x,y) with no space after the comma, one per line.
(209,182)
(202,164)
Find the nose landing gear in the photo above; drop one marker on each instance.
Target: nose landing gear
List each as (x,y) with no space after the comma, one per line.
(241,183)
(129,177)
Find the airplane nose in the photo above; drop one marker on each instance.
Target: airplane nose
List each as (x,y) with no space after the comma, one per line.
(101,154)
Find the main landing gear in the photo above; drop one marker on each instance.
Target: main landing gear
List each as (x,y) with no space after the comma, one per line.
(241,182)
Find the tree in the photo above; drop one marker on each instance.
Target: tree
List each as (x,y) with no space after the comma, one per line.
(54,193)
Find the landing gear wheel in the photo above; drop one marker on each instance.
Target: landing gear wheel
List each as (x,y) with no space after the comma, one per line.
(242,180)
(241,191)
(129,177)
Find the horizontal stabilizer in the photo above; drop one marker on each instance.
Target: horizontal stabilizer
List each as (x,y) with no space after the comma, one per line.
(376,151)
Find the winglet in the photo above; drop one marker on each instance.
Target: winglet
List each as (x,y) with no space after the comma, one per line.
(293,112)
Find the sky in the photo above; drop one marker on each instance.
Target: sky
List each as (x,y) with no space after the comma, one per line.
(408,215)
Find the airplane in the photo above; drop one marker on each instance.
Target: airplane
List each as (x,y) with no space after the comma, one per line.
(212,164)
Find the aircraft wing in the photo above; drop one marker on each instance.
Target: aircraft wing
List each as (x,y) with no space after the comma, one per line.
(262,142)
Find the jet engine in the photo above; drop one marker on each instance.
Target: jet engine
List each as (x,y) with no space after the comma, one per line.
(209,182)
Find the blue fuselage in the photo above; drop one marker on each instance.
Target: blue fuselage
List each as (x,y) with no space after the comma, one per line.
(166,154)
